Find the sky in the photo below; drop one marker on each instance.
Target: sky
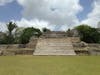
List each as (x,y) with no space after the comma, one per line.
(53,14)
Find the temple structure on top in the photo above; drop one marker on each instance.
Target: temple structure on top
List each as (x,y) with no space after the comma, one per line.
(59,34)
(54,34)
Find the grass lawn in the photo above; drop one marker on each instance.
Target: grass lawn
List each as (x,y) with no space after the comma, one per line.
(50,65)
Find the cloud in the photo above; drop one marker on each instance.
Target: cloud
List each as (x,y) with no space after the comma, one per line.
(39,24)
(3,27)
(3,2)
(32,23)
(55,12)
(93,17)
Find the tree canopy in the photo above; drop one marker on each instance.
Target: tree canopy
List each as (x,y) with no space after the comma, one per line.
(28,33)
(46,30)
(22,35)
(9,38)
(88,34)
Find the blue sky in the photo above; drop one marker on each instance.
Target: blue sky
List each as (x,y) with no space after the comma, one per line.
(87,5)
(67,13)
(10,11)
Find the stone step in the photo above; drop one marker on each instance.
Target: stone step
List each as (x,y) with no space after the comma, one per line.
(54,46)
(62,52)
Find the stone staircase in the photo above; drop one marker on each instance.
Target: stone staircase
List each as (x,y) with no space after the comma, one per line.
(54,46)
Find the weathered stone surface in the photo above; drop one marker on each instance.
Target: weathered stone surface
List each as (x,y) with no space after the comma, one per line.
(55,43)
(1,52)
(94,52)
(32,43)
(8,53)
(54,46)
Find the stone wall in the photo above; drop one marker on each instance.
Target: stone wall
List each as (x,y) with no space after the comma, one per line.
(32,43)
(75,39)
(15,49)
(94,52)
(86,49)
(94,45)
(9,46)
(94,49)
(19,49)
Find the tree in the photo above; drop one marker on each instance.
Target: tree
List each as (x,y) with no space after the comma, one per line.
(98,24)
(46,30)
(69,33)
(10,26)
(88,34)
(2,38)
(18,33)
(28,33)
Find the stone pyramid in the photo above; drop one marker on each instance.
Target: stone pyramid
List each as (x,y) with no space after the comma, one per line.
(54,44)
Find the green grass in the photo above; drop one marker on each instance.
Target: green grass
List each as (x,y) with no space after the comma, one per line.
(50,65)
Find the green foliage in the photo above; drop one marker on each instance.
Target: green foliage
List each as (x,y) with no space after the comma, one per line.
(21,35)
(11,26)
(46,30)
(3,39)
(9,38)
(28,33)
(18,33)
(88,34)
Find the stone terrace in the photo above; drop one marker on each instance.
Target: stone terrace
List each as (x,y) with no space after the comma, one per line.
(54,43)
